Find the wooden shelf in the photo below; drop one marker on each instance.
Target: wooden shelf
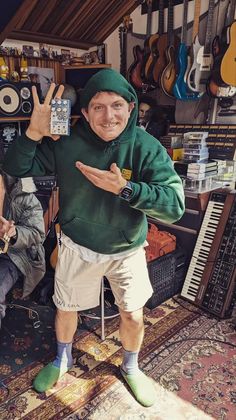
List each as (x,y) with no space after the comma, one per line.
(16,119)
(86,66)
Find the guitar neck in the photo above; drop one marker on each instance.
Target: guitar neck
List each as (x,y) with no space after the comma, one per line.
(170,22)
(149,18)
(185,22)
(209,30)
(231,13)
(197,9)
(161,18)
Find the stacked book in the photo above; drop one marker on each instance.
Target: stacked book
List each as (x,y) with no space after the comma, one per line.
(174,146)
(195,147)
(200,170)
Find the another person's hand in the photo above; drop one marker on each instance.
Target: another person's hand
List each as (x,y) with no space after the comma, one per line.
(111,181)
(7,227)
(40,119)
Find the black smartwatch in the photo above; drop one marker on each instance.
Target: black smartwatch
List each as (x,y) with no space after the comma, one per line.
(126,191)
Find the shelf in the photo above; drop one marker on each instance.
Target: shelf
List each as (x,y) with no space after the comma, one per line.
(87,66)
(16,119)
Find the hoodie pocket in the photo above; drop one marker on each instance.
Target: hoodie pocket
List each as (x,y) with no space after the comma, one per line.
(105,239)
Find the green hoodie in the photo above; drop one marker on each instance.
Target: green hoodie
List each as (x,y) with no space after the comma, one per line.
(90,216)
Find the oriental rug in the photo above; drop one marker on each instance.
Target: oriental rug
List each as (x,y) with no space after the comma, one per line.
(186,352)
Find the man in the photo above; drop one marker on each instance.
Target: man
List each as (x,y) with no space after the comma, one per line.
(21,239)
(150,118)
(111,174)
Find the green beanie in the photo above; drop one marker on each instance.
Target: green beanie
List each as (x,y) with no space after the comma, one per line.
(107,80)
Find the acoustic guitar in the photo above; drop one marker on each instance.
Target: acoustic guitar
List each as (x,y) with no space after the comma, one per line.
(169,73)
(136,70)
(180,88)
(216,87)
(228,65)
(161,46)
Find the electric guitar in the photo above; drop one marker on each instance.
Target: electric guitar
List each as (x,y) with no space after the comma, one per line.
(123,43)
(204,60)
(180,88)
(191,71)
(168,75)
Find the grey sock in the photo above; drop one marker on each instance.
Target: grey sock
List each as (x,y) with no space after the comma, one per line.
(130,362)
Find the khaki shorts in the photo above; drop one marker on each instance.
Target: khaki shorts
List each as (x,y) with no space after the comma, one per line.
(78,282)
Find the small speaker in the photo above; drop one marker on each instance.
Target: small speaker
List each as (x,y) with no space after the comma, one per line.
(16,98)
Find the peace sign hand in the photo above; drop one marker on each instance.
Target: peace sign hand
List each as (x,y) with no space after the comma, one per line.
(40,119)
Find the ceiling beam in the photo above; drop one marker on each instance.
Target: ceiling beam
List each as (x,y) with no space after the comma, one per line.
(22,12)
(50,39)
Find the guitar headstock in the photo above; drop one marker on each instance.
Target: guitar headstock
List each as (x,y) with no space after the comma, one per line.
(127,23)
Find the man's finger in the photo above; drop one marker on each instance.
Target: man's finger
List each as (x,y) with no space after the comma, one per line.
(49,94)
(59,92)
(35,96)
(89,169)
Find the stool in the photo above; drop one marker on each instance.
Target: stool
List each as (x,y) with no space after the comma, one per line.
(102,316)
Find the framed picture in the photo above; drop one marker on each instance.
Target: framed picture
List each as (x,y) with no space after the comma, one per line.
(43,76)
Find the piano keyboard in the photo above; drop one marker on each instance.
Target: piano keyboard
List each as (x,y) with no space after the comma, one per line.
(202,250)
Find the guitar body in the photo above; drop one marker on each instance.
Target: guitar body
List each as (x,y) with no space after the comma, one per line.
(169,73)
(134,72)
(193,76)
(150,63)
(162,44)
(180,89)
(216,91)
(216,86)
(202,69)
(228,65)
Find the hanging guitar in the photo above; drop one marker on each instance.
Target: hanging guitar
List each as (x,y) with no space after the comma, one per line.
(204,59)
(216,87)
(180,88)
(162,44)
(191,75)
(169,73)
(127,21)
(148,41)
(228,65)
(151,57)
(135,71)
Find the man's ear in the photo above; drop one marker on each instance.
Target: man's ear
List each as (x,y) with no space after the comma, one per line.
(131,106)
(85,113)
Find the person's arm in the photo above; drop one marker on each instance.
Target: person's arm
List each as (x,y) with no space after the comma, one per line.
(159,193)
(30,228)
(24,158)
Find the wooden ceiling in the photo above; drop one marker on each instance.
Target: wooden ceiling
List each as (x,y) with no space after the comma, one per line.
(71,23)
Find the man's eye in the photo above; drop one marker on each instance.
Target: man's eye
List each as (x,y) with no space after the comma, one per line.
(118,106)
(97,108)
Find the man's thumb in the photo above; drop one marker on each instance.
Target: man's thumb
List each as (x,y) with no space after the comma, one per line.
(114,168)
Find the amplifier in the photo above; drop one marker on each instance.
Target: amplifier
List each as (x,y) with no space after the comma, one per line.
(16,98)
(167,274)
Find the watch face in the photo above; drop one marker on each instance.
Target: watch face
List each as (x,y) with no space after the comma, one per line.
(126,192)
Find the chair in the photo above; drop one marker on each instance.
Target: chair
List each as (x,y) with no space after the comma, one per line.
(102,316)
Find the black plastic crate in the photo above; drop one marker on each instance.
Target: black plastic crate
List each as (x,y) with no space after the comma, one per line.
(167,275)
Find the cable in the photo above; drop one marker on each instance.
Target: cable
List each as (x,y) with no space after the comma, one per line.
(195,339)
(190,310)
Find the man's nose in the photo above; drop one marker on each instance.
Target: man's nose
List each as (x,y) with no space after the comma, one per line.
(109,112)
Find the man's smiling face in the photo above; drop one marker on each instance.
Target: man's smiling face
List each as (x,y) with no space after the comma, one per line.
(108,114)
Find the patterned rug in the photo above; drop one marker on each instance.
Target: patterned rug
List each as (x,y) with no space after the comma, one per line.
(195,376)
